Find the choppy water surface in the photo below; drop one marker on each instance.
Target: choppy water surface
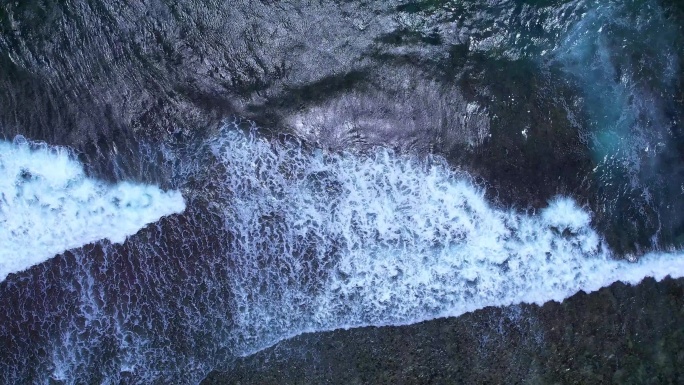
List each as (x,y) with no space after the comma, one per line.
(361,214)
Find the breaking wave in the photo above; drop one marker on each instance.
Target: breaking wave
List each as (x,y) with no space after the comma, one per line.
(48,205)
(279,239)
(332,241)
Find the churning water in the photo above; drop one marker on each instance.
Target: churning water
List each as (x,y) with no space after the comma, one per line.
(263,239)
(278,239)
(48,205)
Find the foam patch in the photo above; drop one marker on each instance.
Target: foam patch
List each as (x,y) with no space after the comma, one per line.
(48,205)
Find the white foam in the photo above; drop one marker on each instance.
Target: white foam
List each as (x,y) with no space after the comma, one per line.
(335,241)
(320,241)
(48,205)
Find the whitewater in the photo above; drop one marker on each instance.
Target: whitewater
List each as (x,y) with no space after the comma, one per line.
(398,240)
(301,240)
(48,205)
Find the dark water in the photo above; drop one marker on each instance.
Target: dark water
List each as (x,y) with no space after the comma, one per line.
(343,164)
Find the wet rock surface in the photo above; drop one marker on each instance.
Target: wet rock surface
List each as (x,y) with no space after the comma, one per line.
(619,335)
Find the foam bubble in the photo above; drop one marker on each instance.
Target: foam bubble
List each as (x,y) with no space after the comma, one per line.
(564,214)
(48,205)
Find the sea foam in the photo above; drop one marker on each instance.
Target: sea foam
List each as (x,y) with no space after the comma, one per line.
(48,205)
(326,241)
(282,239)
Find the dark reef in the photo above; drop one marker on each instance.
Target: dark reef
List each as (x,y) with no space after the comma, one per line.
(619,335)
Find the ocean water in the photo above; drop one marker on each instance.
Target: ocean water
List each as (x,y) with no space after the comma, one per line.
(252,237)
(278,240)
